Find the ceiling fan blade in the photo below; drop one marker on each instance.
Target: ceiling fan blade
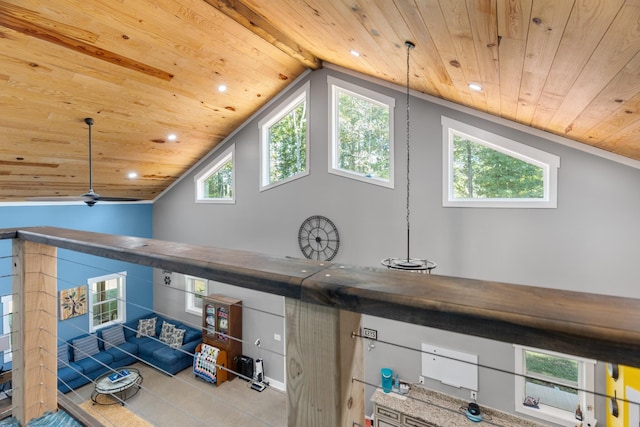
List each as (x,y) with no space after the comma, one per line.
(57,199)
(117,199)
(90,197)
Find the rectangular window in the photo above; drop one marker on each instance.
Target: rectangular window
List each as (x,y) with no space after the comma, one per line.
(216,184)
(7,325)
(551,386)
(361,133)
(284,135)
(195,289)
(482,169)
(108,300)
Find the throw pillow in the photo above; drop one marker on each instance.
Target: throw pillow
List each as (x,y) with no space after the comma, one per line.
(113,337)
(63,355)
(166,333)
(146,327)
(85,347)
(176,338)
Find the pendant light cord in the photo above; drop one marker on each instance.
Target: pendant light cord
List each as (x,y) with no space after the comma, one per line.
(409,264)
(409,47)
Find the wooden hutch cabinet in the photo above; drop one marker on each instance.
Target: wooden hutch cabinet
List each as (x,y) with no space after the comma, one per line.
(221,323)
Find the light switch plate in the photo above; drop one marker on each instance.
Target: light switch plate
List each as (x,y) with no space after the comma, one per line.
(372,334)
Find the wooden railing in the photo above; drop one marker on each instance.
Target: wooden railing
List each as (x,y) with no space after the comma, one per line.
(328,299)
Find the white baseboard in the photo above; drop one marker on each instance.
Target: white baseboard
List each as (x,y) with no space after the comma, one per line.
(276,384)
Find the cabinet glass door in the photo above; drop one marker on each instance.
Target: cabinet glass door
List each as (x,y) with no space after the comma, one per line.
(222,315)
(210,320)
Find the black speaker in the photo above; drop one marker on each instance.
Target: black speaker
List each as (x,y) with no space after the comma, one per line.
(245,368)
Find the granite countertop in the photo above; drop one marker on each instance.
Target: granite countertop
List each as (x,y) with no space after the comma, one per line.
(443,410)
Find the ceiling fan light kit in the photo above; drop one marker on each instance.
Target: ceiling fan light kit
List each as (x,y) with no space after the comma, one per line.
(408,263)
(90,198)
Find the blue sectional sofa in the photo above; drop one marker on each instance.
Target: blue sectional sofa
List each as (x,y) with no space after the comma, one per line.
(86,357)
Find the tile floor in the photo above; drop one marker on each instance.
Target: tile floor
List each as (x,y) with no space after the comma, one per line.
(184,400)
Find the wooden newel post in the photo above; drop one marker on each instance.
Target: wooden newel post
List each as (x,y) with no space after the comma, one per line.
(322,359)
(34,330)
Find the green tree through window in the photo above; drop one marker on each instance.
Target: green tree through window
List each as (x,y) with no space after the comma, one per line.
(219,185)
(361,133)
(108,300)
(288,144)
(363,136)
(482,172)
(215,183)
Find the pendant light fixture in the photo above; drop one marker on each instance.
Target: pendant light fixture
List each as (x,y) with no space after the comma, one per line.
(408,263)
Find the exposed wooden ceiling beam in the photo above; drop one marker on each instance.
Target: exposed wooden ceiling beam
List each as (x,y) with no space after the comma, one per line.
(256,23)
(601,327)
(32,24)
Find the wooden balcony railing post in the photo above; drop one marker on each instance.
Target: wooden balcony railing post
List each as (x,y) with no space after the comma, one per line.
(322,358)
(34,330)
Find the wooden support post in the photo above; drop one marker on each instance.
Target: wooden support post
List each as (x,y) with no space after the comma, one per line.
(322,360)
(34,330)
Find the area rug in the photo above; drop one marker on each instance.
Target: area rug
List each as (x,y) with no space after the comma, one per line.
(114,415)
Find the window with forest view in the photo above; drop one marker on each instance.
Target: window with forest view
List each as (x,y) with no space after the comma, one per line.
(557,382)
(108,300)
(217,183)
(480,172)
(284,147)
(362,133)
(486,170)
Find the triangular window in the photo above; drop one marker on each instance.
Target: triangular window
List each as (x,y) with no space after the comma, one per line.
(487,170)
(217,183)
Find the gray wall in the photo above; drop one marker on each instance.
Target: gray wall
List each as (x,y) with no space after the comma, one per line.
(589,243)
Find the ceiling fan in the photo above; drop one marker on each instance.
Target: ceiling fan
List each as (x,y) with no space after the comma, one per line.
(90,197)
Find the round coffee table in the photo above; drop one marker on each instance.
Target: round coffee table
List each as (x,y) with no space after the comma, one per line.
(108,392)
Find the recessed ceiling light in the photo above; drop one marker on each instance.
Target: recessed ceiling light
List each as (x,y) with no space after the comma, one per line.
(171,137)
(475,86)
(354,53)
(132,175)
(222,88)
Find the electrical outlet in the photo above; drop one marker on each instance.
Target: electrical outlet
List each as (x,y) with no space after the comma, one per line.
(421,379)
(474,395)
(372,334)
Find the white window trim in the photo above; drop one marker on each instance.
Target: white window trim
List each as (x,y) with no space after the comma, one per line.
(122,299)
(221,160)
(586,381)
(189,295)
(7,310)
(374,97)
(547,161)
(288,105)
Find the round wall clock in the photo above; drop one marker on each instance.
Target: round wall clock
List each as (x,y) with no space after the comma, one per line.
(318,238)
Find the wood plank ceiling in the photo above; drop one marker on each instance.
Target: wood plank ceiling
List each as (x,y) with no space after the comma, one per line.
(144,69)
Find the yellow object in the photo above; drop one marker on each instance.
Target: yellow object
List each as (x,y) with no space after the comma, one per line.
(623,388)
